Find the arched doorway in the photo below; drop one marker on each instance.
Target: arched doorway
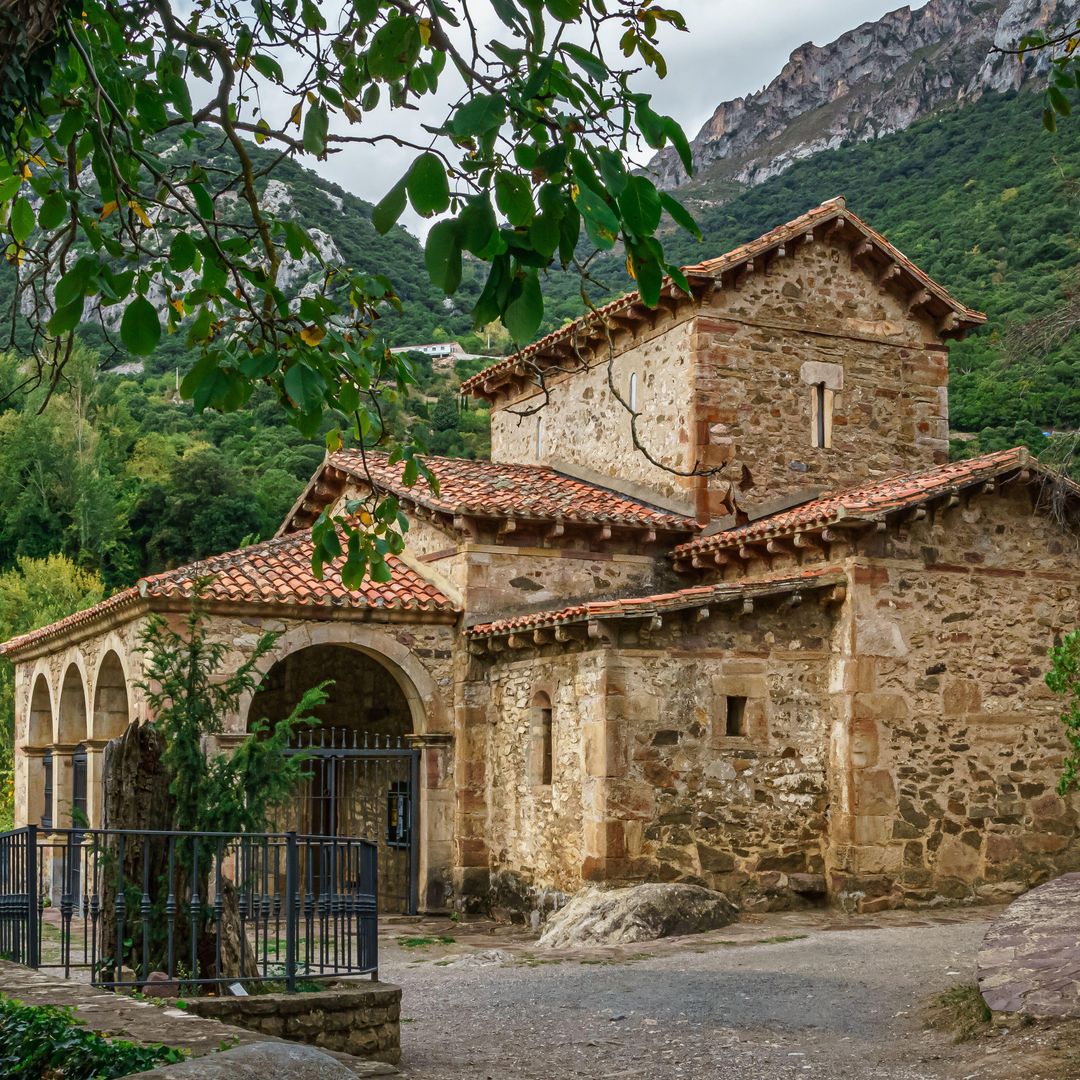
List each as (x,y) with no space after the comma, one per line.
(109,720)
(363,774)
(70,779)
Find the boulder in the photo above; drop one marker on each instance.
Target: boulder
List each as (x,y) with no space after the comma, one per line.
(263,1061)
(638,913)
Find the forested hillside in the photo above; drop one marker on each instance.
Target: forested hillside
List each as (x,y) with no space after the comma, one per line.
(983,199)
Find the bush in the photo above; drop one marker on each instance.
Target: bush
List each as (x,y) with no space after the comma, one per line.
(42,1042)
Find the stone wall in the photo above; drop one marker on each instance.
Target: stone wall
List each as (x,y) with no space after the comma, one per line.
(649,785)
(536,832)
(362,1019)
(813,318)
(583,424)
(948,746)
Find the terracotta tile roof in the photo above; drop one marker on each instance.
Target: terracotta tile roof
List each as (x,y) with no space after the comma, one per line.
(644,606)
(492,489)
(273,572)
(867,503)
(520,362)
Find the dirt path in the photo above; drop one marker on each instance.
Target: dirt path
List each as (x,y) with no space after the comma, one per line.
(811,995)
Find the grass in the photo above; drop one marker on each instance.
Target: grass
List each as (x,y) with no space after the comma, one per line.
(424,942)
(961,1011)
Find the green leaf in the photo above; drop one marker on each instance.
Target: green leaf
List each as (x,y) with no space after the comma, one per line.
(564,10)
(482,114)
(600,221)
(593,65)
(394,48)
(73,285)
(1059,101)
(427,185)
(140,329)
(389,209)
(203,203)
(182,252)
(65,319)
(640,206)
(675,134)
(53,211)
(513,196)
(679,214)
(305,386)
(525,311)
(316,124)
(22,219)
(442,255)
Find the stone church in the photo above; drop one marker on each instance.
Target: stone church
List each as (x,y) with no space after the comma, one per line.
(719,610)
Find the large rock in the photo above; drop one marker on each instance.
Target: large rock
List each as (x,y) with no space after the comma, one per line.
(1029,961)
(637,913)
(262,1061)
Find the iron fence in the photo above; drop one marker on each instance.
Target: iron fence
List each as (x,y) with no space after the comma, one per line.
(200,909)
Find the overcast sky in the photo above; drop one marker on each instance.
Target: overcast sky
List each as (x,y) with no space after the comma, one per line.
(733,47)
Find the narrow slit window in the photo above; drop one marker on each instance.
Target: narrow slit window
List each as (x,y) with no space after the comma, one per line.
(539,437)
(541,750)
(545,752)
(633,392)
(735,725)
(819,416)
(47,775)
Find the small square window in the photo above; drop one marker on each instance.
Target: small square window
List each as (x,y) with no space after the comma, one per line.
(735,724)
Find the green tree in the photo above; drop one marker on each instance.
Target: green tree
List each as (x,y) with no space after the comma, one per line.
(1064,679)
(531,152)
(190,691)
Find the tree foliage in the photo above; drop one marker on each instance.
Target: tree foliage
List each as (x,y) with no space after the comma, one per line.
(1064,679)
(190,692)
(530,153)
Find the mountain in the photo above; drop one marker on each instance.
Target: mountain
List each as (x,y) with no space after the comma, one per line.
(878,79)
(340,225)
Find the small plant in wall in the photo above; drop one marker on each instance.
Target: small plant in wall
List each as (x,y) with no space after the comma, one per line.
(1064,679)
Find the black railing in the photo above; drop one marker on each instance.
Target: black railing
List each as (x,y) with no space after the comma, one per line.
(198,909)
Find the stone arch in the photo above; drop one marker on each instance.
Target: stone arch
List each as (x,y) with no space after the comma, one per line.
(425,699)
(112,708)
(71,726)
(39,721)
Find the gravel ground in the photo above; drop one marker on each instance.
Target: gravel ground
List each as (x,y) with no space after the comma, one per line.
(840,997)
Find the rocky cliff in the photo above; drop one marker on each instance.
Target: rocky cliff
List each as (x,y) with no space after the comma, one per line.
(874,80)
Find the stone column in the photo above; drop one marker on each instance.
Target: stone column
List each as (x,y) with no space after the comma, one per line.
(30,779)
(471,866)
(434,808)
(95,750)
(63,785)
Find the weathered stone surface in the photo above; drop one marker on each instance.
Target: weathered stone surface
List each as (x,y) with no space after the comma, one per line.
(261,1061)
(1030,958)
(637,913)
(356,1018)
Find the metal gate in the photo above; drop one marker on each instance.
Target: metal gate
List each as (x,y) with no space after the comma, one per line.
(363,785)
